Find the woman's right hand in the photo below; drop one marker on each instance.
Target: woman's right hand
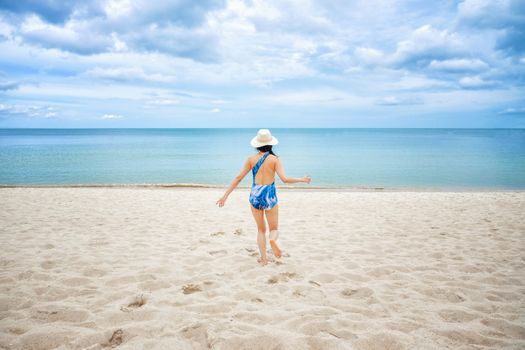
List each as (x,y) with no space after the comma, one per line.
(307,179)
(221,201)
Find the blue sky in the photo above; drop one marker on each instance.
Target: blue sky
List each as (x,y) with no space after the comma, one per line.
(262,63)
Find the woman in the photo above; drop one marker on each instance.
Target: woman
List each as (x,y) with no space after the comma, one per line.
(263,197)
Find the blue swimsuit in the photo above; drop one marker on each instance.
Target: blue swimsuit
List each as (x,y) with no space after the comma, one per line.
(262,196)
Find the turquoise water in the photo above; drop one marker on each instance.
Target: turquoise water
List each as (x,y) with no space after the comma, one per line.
(390,158)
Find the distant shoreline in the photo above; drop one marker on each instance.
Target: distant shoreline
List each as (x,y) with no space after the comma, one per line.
(286,188)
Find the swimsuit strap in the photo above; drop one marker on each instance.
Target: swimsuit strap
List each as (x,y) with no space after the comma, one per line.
(258,165)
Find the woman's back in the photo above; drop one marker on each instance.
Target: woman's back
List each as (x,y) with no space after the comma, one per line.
(266,173)
(263,195)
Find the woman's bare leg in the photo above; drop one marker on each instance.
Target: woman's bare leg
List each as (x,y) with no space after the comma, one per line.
(272,216)
(258,215)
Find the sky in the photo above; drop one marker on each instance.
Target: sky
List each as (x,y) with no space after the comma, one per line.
(262,63)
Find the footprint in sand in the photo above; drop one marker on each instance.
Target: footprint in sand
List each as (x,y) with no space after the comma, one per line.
(457,316)
(199,333)
(48,264)
(115,340)
(135,304)
(444,294)
(93,272)
(220,233)
(191,288)
(64,315)
(357,293)
(16,330)
(298,293)
(7,263)
(510,329)
(283,277)
(273,280)
(213,252)
(289,274)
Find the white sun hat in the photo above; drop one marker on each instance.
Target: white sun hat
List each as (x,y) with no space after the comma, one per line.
(264,137)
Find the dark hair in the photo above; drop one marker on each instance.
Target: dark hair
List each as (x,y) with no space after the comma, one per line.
(266,148)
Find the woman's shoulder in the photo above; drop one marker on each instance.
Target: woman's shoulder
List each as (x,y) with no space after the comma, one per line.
(252,159)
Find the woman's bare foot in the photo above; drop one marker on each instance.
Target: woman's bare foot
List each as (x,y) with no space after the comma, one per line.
(263,261)
(276,250)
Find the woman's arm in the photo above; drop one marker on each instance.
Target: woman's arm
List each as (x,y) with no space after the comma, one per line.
(236,181)
(279,169)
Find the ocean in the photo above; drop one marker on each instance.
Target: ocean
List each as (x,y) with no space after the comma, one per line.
(340,158)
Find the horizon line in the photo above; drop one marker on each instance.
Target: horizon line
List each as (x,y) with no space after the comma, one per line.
(243,128)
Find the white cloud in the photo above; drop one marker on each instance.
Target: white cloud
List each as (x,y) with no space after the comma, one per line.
(165,101)
(426,43)
(198,44)
(215,110)
(396,101)
(315,96)
(6,29)
(129,74)
(503,19)
(111,116)
(118,8)
(32,111)
(75,36)
(486,12)
(458,65)
(474,82)
(369,55)
(411,81)
(118,44)
(513,110)
(388,101)
(473,8)
(8,85)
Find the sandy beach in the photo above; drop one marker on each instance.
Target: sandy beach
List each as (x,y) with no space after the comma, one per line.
(141,268)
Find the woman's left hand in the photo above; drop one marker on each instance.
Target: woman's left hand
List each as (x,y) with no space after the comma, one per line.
(221,201)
